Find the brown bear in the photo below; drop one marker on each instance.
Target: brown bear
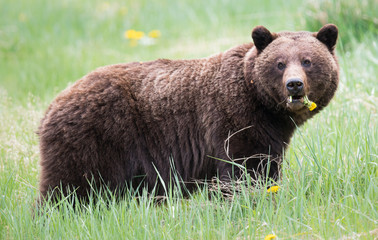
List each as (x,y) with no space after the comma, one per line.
(133,125)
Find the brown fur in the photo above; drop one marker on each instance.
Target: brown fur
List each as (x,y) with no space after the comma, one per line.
(123,123)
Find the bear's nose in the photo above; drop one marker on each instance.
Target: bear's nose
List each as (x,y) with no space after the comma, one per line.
(294,86)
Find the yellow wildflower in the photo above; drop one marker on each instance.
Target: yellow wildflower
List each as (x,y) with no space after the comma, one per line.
(129,34)
(138,35)
(132,34)
(270,236)
(154,34)
(273,189)
(313,106)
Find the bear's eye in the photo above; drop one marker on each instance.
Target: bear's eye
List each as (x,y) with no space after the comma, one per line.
(306,63)
(281,66)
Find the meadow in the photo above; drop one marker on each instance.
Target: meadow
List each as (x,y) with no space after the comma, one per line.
(329,185)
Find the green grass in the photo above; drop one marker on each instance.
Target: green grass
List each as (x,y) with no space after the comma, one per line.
(329,184)
(357,17)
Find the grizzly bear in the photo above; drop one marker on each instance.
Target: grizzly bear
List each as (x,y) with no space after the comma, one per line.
(136,124)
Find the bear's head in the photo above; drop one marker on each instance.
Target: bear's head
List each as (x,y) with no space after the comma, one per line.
(288,68)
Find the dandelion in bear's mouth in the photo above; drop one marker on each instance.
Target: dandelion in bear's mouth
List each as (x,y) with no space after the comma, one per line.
(309,104)
(312,106)
(273,189)
(270,236)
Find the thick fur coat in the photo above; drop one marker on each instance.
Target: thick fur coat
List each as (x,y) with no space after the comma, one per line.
(121,124)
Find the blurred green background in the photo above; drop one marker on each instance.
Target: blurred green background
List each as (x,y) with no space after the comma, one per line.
(44,45)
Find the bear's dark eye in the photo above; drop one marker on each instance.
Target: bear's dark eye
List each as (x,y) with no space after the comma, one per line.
(306,63)
(281,66)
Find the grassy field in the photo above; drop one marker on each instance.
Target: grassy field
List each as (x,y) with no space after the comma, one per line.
(329,188)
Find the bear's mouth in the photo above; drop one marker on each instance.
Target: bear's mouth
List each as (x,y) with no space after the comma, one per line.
(293,99)
(295,103)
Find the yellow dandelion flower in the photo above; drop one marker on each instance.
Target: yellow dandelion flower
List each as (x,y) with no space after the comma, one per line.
(270,236)
(154,34)
(138,35)
(129,34)
(312,106)
(132,34)
(309,104)
(273,189)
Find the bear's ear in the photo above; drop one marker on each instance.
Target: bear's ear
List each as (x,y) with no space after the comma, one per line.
(262,37)
(328,35)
